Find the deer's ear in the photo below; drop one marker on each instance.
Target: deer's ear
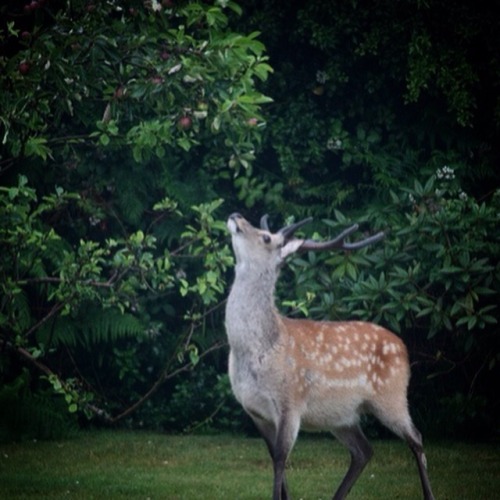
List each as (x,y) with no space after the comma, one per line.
(290,247)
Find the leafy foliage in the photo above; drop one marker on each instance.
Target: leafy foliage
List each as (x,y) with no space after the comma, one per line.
(24,415)
(113,263)
(128,131)
(434,280)
(367,94)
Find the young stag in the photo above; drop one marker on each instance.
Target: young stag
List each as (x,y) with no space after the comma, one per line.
(318,375)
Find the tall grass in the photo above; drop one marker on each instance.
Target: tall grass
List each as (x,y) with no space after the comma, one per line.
(116,465)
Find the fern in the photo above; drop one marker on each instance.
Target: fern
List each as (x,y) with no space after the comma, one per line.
(91,325)
(133,194)
(20,311)
(26,415)
(110,325)
(35,416)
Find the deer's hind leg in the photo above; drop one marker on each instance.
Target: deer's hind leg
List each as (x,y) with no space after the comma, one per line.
(414,440)
(398,420)
(361,452)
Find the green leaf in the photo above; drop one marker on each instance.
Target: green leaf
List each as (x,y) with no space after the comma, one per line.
(104,139)
(216,123)
(184,143)
(262,70)
(37,146)
(254,98)
(193,355)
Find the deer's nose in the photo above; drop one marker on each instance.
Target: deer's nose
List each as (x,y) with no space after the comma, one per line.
(233,222)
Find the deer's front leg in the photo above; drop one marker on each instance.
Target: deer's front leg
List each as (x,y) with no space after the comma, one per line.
(280,439)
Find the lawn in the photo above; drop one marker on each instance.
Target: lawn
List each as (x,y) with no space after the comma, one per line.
(116,465)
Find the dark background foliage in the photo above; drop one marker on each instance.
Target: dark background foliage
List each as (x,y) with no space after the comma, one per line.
(129,133)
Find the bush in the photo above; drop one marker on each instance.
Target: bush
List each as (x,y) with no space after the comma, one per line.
(433,280)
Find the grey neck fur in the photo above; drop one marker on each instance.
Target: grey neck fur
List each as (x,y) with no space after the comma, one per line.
(251,317)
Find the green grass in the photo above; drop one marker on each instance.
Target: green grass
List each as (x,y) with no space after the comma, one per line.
(115,465)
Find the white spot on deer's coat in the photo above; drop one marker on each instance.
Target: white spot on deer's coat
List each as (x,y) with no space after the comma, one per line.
(346,362)
(389,348)
(327,358)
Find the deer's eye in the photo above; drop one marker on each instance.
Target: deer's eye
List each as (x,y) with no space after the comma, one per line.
(266,239)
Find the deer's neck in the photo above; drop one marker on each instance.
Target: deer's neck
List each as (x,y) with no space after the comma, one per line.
(251,317)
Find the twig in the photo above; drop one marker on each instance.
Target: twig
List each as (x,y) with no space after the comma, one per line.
(55,309)
(205,420)
(161,379)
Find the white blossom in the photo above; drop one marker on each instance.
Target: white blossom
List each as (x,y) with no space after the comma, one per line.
(446,173)
(333,144)
(93,220)
(321,76)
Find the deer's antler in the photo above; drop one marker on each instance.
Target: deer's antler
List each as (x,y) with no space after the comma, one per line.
(340,243)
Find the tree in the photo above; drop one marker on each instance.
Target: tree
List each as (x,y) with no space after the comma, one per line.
(118,125)
(367,94)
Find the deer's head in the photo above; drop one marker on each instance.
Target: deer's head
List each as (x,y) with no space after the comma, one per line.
(259,247)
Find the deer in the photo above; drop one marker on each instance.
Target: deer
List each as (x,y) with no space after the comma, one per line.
(290,373)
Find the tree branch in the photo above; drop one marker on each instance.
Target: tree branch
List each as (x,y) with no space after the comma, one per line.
(103,284)
(161,379)
(55,309)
